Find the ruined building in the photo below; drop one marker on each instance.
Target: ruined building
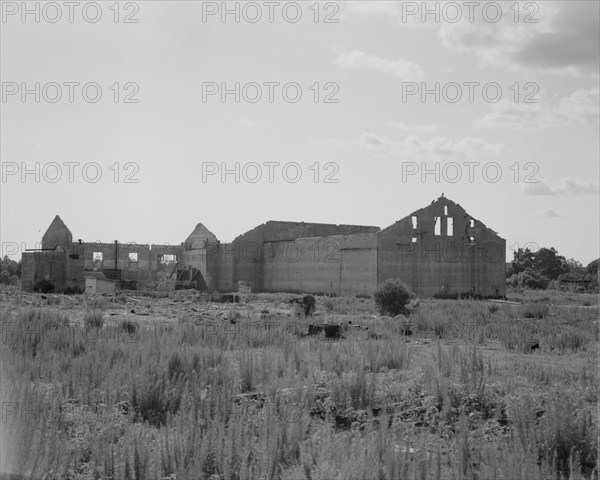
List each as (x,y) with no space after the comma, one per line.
(436,249)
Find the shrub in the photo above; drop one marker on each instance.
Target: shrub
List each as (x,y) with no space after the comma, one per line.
(44,286)
(5,277)
(512,281)
(533,279)
(73,291)
(391,297)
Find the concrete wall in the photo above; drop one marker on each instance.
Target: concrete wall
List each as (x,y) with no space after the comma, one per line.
(56,234)
(468,259)
(260,253)
(197,249)
(27,271)
(44,265)
(338,264)
(146,266)
(95,285)
(223,264)
(301,257)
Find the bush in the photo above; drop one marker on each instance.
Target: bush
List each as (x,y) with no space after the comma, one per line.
(533,279)
(44,286)
(5,277)
(73,291)
(512,281)
(391,297)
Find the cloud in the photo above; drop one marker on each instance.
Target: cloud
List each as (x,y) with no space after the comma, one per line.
(558,37)
(573,43)
(564,40)
(436,148)
(412,129)
(581,107)
(402,68)
(369,140)
(247,122)
(547,213)
(568,186)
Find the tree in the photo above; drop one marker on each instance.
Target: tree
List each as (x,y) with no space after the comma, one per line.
(11,266)
(576,271)
(522,259)
(531,278)
(549,263)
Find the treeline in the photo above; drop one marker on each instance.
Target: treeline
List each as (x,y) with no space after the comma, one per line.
(10,271)
(545,268)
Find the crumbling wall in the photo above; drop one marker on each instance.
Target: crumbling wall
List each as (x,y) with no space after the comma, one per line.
(56,234)
(158,252)
(130,261)
(201,245)
(436,249)
(44,265)
(75,266)
(27,271)
(224,262)
(442,249)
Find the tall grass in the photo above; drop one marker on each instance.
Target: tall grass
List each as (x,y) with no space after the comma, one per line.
(197,398)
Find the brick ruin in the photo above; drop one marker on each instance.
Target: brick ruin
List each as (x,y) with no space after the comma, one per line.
(435,250)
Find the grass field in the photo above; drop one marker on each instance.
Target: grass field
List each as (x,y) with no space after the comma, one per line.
(141,387)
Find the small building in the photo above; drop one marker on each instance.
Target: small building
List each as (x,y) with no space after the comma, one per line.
(575,285)
(97,283)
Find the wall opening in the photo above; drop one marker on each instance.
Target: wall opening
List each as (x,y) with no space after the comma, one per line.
(133,256)
(450,226)
(97,261)
(167,258)
(414,239)
(437,229)
(415,222)
(446,210)
(472,223)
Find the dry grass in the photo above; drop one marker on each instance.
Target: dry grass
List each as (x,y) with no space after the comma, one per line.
(202,397)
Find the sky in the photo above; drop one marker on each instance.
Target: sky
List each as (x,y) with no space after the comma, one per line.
(134,121)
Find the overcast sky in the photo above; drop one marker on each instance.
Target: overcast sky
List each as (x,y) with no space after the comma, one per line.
(361,120)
